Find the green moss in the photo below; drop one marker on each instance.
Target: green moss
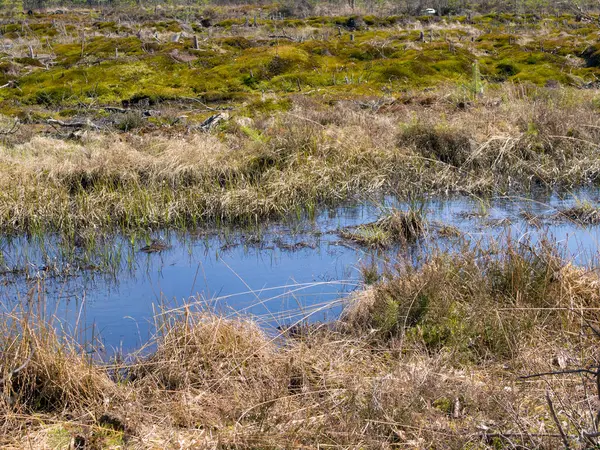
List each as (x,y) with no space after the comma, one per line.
(444,404)
(110,26)
(69,112)
(505,70)
(99,48)
(235,42)
(235,68)
(165,26)
(496,40)
(541,75)
(270,106)
(59,438)
(53,96)
(43,29)
(6,66)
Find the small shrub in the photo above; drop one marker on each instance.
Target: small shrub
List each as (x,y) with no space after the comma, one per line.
(449,146)
(129,121)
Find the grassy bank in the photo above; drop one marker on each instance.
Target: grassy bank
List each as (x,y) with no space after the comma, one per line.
(429,356)
(289,163)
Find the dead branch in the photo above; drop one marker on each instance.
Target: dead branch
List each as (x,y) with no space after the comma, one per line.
(11,130)
(213,120)
(115,109)
(208,108)
(560,372)
(282,36)
(578,10)
(563,436)
(11,83)
(86,124)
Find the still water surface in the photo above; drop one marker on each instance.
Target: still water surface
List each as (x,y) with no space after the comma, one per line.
(279,276)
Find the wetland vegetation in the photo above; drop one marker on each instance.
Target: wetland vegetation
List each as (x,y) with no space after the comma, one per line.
(122,124)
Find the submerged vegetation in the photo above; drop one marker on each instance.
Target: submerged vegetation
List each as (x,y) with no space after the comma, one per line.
(395,227)
(583,213)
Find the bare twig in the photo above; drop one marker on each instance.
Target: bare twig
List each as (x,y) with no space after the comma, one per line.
(21,367)
(560,372)
(563,436)
(213,120)
(12,130)
(208,108)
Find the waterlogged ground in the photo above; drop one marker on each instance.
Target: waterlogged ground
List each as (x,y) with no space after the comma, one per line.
(281,275)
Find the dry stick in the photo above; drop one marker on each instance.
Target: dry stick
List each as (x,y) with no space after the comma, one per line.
(12,130)
(560,372)
(82,44)
(88,124)
(21,367)
(571,416)
(571,138)
(563,436)
(208,108)
(597,419)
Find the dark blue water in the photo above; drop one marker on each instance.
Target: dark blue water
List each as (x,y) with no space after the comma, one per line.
(280,275)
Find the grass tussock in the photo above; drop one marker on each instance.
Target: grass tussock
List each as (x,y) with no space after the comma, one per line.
(395,227)
(425,352)
(447,303)
(583,213)
(45,375)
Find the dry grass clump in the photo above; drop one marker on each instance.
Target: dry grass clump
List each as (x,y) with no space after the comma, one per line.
(449,146)
(480,305)
(45,375)
(394,227)
(583,213)
(433,353)
(220,366)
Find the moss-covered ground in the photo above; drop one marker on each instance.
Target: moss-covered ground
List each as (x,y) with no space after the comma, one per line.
(81,60)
